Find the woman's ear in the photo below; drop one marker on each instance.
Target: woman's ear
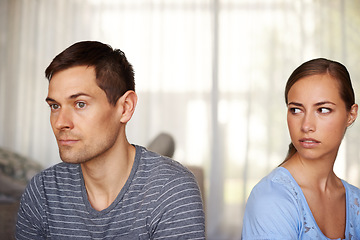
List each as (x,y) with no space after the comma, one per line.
(126,105)
(352,114)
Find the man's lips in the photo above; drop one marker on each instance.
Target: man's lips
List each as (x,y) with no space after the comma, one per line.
(67,142)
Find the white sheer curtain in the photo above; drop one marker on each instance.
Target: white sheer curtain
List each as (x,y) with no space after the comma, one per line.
(209,72)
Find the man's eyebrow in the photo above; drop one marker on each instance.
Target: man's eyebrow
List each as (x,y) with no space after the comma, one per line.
(78,95)
(48,99)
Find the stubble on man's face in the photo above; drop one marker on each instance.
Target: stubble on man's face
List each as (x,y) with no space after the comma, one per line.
(83,121)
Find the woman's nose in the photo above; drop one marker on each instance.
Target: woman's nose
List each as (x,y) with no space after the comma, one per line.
(309,123)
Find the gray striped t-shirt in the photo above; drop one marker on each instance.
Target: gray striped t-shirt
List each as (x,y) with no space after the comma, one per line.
(160,200)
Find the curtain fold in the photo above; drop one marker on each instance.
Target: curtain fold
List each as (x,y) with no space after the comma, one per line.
(210,72)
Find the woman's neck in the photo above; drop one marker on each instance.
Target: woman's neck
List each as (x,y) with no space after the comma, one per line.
(312,173)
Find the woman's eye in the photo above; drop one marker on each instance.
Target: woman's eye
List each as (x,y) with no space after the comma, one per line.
(295,110)
(324,110)
(80,104)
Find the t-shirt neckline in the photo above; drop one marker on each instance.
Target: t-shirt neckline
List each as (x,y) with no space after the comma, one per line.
(287,172)
(122,192)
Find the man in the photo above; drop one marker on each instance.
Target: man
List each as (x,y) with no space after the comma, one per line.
(105,188)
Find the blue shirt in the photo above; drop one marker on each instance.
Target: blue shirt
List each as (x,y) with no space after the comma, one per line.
(277,209)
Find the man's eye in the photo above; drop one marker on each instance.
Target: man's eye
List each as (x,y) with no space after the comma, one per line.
(54,106)
(80,104)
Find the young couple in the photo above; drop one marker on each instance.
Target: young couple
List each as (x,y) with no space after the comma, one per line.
(107,188)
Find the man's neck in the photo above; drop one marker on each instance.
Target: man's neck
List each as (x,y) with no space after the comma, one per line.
(105,176)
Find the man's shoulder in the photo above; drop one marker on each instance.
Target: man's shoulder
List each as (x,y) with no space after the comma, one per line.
(159,173)
(155,165)
(60,169)
(61,172)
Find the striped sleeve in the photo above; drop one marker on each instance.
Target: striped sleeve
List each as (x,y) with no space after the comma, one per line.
(30,224)
(179,210)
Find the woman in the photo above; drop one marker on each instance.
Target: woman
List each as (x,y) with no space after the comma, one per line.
(303,198)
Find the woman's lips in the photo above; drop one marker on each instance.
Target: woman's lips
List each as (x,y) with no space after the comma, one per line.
(309,142)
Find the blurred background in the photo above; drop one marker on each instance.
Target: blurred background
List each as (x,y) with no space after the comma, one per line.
(211,73)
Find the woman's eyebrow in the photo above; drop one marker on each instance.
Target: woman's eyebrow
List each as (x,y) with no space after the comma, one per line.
(295,103)
(316,104)
(324,102)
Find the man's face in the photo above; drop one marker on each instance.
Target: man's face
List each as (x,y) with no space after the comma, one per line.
(85,125)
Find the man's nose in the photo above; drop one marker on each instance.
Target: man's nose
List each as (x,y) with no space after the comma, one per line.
(63,120)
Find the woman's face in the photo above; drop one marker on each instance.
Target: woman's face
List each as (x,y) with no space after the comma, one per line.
(317,117)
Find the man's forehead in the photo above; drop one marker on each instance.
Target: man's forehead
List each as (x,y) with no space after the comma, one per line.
(72,81)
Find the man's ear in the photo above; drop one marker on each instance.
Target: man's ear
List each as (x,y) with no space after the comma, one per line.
(126,105)
(352,114)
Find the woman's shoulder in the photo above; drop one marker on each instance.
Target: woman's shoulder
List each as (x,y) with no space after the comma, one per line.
(274,207)
(353,208)
(278,190)
(351,188)
(278,183)
(353,195)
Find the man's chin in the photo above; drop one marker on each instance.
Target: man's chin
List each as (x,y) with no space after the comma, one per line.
(68,158)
